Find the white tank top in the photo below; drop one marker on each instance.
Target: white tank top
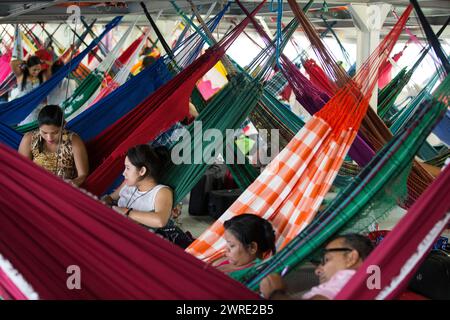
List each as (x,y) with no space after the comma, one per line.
(131,197)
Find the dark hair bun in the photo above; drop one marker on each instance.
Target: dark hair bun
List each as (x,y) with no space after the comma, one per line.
(153,159)
(163,154)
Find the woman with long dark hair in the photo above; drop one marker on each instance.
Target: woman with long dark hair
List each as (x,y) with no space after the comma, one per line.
(56,149)
(29,76)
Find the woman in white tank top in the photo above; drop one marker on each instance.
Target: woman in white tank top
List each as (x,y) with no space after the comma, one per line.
(140,196)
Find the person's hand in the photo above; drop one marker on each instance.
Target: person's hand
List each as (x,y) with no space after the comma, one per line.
(176,212)
(271,283)
(107,200)
(69,181)
(93,196)
(120,210)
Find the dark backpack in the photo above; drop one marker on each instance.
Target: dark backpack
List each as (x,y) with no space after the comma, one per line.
(432,279)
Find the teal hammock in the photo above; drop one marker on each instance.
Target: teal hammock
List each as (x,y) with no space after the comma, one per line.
(366,199)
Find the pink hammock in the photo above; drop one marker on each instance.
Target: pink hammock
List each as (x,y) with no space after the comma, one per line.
(5,68)
(48,226)
(8,290)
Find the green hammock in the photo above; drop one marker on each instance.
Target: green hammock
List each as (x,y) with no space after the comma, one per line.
(388,95)
(244,174)
(402,117)
(74,102)
(366,199)
(227,110)
(439,160)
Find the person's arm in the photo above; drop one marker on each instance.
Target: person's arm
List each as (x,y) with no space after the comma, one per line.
(112,198)
(25,146)
(193,110)
(15,66)
(319,297)
(158,218)
(273,287)
(81,160)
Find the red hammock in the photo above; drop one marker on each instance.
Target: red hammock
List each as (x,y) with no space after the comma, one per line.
(318,77)
(123,59)
(386,76)
(155,114)
(47,225)
(373,129)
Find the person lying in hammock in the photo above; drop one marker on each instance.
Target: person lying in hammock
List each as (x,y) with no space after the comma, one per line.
(56,149)
(141,197)
(249,238)
(342,256)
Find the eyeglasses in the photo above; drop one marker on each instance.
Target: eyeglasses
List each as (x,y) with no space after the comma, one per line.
(325,251)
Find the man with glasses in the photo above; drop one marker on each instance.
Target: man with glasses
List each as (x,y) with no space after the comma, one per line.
(341,258)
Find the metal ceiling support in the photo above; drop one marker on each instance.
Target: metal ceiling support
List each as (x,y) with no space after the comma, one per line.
(31,8)
(368,20)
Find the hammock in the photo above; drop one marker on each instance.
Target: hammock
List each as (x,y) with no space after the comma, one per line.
(311,97)
(108,110)
(373,130)
(122,76)
(13,112)
(8,84)
(404,115)
(439,160)
(276,84)
(318,77)
(122,100)
(291,188)
(138,126)
(5,68)
(79,100)
(8,290)
(186,54)
(82,103)
(244,174)
(442,130)
(9,136)
(385,76)
(389,94)
(228,110)
(370,195)
(431,37)
(49,226)
(415,234)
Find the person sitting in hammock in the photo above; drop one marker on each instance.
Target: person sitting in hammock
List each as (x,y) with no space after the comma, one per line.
(64,89)
(147,62)
(29,76)
(249,238)
(342,256)
(58,150)
(141,197)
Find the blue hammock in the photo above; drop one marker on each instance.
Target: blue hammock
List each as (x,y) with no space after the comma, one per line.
(9,136)
(442,129)
(114,106)
(108,110)
(11,113)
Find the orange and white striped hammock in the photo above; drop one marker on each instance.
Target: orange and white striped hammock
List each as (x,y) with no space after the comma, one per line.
(290,190)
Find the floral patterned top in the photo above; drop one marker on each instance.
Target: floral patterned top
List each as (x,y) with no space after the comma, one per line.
(63,164)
